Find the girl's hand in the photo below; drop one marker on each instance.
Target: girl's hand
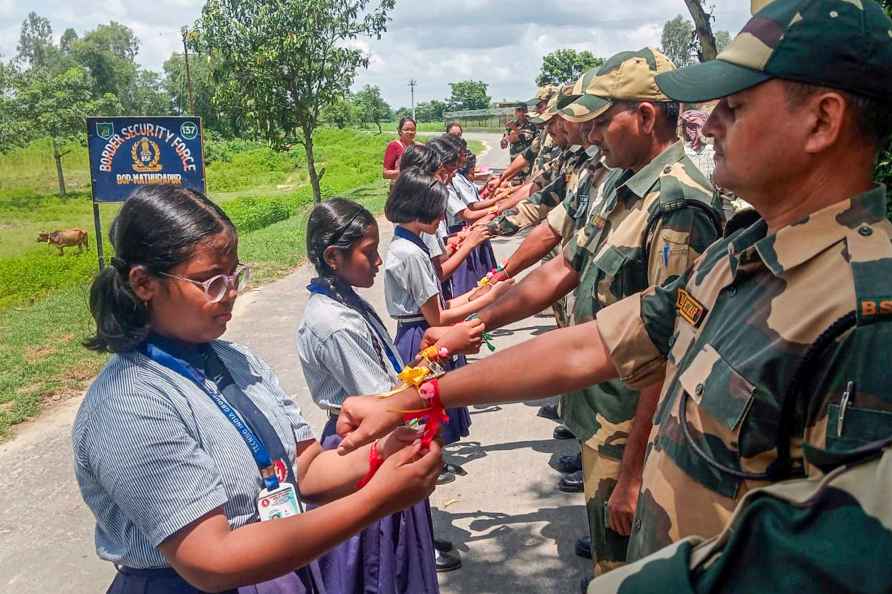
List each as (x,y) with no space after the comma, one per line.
(452,244)
(464,338)
(478,235)
(366,418)
(397,440)
(405,478)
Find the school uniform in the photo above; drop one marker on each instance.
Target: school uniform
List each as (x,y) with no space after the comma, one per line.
(346,351)
(436,245)
(409,282)
(154,452)
(482,259)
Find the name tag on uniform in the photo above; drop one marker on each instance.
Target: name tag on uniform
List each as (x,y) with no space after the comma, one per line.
(281,502)
(689,308)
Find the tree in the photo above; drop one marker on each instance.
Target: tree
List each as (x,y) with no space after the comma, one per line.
(109,53)
(67,40)
(55,105)
(35,41)
(341,112)
(722,39)
(371,107)
(706,46)
(678,41)
(468,94)
(149,97)
(566,66)
(290,59)
(430,111)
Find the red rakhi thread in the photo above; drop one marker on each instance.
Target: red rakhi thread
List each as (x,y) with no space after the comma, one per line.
(375,462)
(434,415)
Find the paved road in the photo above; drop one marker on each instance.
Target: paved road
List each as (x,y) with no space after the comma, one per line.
(515,529)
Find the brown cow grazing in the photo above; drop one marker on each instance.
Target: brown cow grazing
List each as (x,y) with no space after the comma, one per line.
(67,238)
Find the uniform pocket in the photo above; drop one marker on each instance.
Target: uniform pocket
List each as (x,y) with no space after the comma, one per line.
(860,426)
(718,389)
(610,284)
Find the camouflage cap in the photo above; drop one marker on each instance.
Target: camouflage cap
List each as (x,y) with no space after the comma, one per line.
(627,76)
(561,99)
(843,44)
(542,94)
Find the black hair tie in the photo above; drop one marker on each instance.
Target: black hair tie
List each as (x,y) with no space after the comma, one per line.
(120,265)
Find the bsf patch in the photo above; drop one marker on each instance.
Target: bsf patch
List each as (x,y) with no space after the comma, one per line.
(870,308)
(689,308)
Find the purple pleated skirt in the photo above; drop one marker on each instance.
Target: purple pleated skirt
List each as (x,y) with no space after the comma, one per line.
(393,556)
(408,344)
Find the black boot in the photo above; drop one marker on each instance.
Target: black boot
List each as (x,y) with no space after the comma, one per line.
(561,432)
(549,411)
(446,556)
(571,483)
(568,463)
(584,547)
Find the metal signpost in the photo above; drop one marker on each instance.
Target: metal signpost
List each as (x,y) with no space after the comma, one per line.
(129,152)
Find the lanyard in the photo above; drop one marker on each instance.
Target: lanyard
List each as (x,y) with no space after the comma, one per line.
(404,233)
(258,449)
(367,314)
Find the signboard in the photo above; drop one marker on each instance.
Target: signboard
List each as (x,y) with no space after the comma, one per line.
(129,152)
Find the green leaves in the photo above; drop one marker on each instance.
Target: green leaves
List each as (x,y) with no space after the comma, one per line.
(468,94)
(566,66)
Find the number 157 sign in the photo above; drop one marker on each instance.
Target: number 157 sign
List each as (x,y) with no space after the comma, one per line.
(129,152)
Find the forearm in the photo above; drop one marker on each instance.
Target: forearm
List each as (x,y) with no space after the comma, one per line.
(469,215)
(262,551)
(583,361)
(516,166)
(451,264)
(462,306)
(326,476)
(536,245)
(521,193)
(535,292)
(636,444)
(391,173)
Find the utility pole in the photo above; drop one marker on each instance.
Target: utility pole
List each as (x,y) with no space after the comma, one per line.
(185,31)
(412,91)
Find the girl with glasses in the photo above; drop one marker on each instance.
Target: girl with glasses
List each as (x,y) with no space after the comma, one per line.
(193,459)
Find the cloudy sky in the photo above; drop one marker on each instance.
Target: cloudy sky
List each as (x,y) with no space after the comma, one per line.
(432,41)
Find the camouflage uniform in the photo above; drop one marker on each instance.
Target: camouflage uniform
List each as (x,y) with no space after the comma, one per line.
(646,227)
(729,337)
(778,539)
(526,132)
(562,172)
(541,151)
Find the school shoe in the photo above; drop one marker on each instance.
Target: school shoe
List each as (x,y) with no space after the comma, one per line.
(584,547)
(445,477)
(445,555)
(568,463)
(454,469)
(584,582)
(561,432)
(571,483)
(549,411)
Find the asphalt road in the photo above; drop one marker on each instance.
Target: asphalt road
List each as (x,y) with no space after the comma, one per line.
(515,530)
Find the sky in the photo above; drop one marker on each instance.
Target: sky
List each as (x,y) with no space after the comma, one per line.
(434,42)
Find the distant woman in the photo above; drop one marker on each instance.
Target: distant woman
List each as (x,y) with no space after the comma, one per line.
(396,148)
(186,447)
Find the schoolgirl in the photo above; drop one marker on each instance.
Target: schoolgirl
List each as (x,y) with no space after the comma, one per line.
(462,211)
(344,350)
(449,253)
(185,445)
(414,298)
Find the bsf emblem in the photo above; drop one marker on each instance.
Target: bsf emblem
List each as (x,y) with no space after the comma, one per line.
(189,130)
(105,130)
(146,156)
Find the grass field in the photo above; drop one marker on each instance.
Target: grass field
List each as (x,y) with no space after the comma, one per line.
(44,312)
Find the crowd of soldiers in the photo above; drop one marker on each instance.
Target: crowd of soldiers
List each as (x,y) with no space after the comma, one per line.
(727,377)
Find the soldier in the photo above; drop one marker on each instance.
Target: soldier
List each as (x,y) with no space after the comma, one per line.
(555,175)
(797,133)
(519,134)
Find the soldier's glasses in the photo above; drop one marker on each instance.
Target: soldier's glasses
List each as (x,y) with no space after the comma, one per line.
(215,288)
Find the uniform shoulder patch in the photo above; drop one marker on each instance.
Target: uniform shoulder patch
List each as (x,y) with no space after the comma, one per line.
(689,308)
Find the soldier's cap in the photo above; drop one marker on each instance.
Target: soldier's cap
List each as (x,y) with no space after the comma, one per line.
(626,76)
(544,93)
(561,99)
(842,44)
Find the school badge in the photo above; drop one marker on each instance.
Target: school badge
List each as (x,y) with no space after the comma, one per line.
(105,130)
(146,156)
(689,308)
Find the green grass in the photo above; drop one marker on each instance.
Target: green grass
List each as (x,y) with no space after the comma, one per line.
(44,313)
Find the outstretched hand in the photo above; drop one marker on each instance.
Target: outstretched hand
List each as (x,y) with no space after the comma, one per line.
(364,419)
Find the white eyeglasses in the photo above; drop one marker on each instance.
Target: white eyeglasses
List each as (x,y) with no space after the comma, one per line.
(215,288)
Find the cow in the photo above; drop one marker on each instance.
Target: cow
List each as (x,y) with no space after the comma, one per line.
(67,238)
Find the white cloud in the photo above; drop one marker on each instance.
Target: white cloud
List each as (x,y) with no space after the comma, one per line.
(432,41)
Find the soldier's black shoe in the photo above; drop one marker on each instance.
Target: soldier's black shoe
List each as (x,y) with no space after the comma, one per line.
(583,584)
(584,547)
(571,483)
(561,432)
(549,411)
(568,463)
(445,555)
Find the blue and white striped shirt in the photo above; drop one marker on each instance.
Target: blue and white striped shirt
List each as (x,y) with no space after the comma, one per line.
(153,453)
